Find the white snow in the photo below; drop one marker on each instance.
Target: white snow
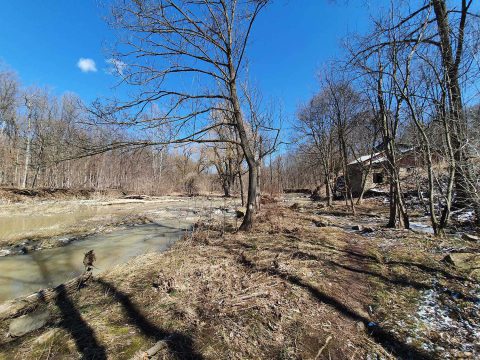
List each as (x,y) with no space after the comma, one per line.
(440,316)
(364,158)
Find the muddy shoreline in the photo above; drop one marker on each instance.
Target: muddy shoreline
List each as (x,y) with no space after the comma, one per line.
(116,230)
(25,228)
(29,245)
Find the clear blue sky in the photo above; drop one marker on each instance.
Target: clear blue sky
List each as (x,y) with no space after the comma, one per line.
(43,40)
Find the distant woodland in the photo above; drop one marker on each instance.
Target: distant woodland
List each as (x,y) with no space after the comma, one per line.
(408,85)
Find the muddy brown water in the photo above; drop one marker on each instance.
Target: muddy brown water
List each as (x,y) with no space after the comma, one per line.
(40,219)
(24,274)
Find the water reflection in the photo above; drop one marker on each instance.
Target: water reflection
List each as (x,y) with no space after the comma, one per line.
(24,274)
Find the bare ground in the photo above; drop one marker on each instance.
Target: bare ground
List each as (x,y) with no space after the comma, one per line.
(287,290)
(16,195)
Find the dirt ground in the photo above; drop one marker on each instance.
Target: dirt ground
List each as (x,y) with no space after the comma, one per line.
(13,195)
(301,285)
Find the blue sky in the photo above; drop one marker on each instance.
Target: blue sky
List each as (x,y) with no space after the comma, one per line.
(43,42)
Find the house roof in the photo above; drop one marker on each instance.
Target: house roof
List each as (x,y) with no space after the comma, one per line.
(378,157)
(365,158)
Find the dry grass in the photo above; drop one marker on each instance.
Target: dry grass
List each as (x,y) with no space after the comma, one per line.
(287,290)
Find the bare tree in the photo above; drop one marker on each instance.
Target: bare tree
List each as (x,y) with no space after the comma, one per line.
(317,127)
(9,91)
(227,159)
(345,104)
(442,35)
(169,43)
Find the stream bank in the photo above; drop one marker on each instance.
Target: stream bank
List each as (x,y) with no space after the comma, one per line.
(116,230)
(288,289)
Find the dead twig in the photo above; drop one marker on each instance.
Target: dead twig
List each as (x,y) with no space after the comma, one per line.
(329,338)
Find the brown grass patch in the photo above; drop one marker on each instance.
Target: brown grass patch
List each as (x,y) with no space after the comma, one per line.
(277,292)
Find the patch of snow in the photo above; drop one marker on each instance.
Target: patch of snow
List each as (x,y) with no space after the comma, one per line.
(364,158)
(421,227)
(379,160)
(466,216)
(442,316)
(4,252)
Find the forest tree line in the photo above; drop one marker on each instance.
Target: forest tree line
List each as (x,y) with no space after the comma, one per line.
(49,142)
(411,79)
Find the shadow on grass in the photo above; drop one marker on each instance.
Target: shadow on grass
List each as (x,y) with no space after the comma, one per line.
(370,258)
(380,335)
(397,281)
(428,269)
(180,345)
(72,321)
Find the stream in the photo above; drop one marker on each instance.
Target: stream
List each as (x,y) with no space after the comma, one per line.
(24,274)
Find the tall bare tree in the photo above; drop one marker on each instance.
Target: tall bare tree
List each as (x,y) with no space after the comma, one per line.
(317,128)
(187,57)
(445,32)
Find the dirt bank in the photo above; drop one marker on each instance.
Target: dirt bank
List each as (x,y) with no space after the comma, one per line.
(14,195)
(288,290)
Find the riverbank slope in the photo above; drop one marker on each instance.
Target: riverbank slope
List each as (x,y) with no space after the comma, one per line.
(297,286)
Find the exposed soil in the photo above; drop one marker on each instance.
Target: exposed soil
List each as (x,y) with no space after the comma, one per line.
(13,195)
(287,290)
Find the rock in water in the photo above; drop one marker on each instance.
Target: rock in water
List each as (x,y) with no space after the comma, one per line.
(29,322)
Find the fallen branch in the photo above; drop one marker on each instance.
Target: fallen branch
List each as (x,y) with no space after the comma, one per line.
(323,347)
(154,350)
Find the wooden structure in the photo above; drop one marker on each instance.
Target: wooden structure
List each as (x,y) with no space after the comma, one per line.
(372,170)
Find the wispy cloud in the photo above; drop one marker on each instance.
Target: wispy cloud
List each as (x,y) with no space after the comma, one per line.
(116,66)
(86,65)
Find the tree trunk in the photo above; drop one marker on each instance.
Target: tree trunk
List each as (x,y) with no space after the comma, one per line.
(247,151)
(226,188)
(392,218)
(27,163)
(451,63)
(328,192)
(397,205)
(240,182)
(251,197)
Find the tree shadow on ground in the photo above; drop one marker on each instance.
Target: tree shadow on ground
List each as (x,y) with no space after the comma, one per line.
(428,269)
(398,281)
(423,267)
(179,344)
(72,321)
(381,336)
(434,271)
